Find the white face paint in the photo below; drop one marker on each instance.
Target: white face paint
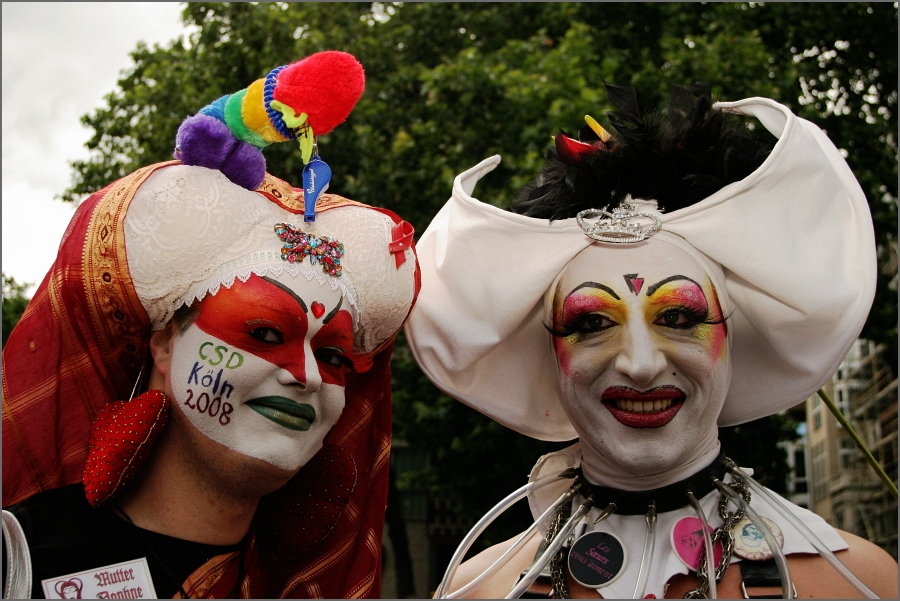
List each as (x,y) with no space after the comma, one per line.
(261,370)
(643,377)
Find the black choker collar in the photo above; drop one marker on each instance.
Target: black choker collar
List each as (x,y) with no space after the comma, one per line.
(668,498)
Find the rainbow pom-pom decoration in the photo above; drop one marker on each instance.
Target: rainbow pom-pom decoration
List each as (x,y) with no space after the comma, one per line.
(299,101)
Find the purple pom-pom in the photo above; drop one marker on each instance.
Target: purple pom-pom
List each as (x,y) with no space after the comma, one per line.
(204,141)
(246,166)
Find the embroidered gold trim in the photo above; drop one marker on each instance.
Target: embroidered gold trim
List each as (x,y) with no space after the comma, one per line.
(116,311)
(333,201)
(281,193)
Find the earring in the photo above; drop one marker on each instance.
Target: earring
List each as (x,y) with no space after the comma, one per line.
(122,435)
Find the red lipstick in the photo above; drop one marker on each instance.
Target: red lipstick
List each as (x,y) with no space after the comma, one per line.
(612,396)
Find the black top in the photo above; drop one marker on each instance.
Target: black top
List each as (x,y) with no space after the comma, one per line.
(66,535)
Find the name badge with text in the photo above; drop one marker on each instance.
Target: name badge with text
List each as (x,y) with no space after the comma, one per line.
(126,580)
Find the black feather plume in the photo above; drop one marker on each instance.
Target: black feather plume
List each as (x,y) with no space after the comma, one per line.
(677,157)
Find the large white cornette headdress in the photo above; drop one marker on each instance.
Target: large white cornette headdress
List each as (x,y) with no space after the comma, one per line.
(794,240)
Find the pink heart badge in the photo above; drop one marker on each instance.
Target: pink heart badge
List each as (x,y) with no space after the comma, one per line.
(687,540)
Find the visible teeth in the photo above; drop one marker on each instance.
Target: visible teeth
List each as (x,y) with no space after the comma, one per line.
(644,406)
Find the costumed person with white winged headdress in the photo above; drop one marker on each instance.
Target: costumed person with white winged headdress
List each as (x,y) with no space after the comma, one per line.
(196,402)
(653,283)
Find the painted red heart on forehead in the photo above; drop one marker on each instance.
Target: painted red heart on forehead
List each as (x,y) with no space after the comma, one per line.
(318,309)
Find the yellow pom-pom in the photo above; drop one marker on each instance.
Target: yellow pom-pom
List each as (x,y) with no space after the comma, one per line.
(253,113)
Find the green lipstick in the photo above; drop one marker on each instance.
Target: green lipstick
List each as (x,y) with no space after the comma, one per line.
(284,412)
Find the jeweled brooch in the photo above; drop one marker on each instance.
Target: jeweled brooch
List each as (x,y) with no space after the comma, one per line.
(298,245)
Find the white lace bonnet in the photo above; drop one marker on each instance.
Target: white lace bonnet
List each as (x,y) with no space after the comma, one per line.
(800,275)
(192,228)
(189,231)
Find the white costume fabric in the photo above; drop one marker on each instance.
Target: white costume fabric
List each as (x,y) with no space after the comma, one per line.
(186,214)
(632,529)
(794,240)
(790,249)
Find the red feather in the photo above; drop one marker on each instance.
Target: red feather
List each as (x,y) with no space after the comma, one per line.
(571,151)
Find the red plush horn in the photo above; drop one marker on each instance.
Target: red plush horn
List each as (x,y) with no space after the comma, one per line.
(325,86)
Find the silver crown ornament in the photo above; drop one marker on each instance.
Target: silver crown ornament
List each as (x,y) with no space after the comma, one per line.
(621,226)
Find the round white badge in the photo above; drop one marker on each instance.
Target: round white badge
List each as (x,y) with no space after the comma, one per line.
(749,542)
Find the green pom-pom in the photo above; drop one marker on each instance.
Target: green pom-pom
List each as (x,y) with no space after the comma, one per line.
(236,124)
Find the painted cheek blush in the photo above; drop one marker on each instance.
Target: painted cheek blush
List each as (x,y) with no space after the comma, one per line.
(561,346)
(715,334)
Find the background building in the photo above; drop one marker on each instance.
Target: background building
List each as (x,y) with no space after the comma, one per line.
(843,488)
(797,458)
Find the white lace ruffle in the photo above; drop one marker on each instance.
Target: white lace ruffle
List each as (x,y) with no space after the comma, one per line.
(189,231)
(226,276)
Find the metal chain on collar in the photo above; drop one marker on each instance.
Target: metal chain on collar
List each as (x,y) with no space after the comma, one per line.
(723,534)
(559,587)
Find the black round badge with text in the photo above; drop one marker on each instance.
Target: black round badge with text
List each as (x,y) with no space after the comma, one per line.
(596,559)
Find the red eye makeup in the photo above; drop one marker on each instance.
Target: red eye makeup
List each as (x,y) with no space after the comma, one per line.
(263,318)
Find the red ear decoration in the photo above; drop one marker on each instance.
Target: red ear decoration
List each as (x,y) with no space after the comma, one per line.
(122,437)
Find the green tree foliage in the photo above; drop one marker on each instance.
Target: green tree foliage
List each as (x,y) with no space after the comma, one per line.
(14,303)
(845,57)
(450,84)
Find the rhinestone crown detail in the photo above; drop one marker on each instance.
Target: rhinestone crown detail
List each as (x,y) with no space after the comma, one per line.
(620,226)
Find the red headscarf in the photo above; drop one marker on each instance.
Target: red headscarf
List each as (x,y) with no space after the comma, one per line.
(81,343)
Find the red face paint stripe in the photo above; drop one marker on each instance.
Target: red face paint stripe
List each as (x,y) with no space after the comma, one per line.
(336,334)
(233,313)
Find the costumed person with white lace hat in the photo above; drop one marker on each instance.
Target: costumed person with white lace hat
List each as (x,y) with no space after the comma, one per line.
(653,283)
(196,402)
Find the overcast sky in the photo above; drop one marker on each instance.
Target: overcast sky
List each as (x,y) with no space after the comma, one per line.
(59,61)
